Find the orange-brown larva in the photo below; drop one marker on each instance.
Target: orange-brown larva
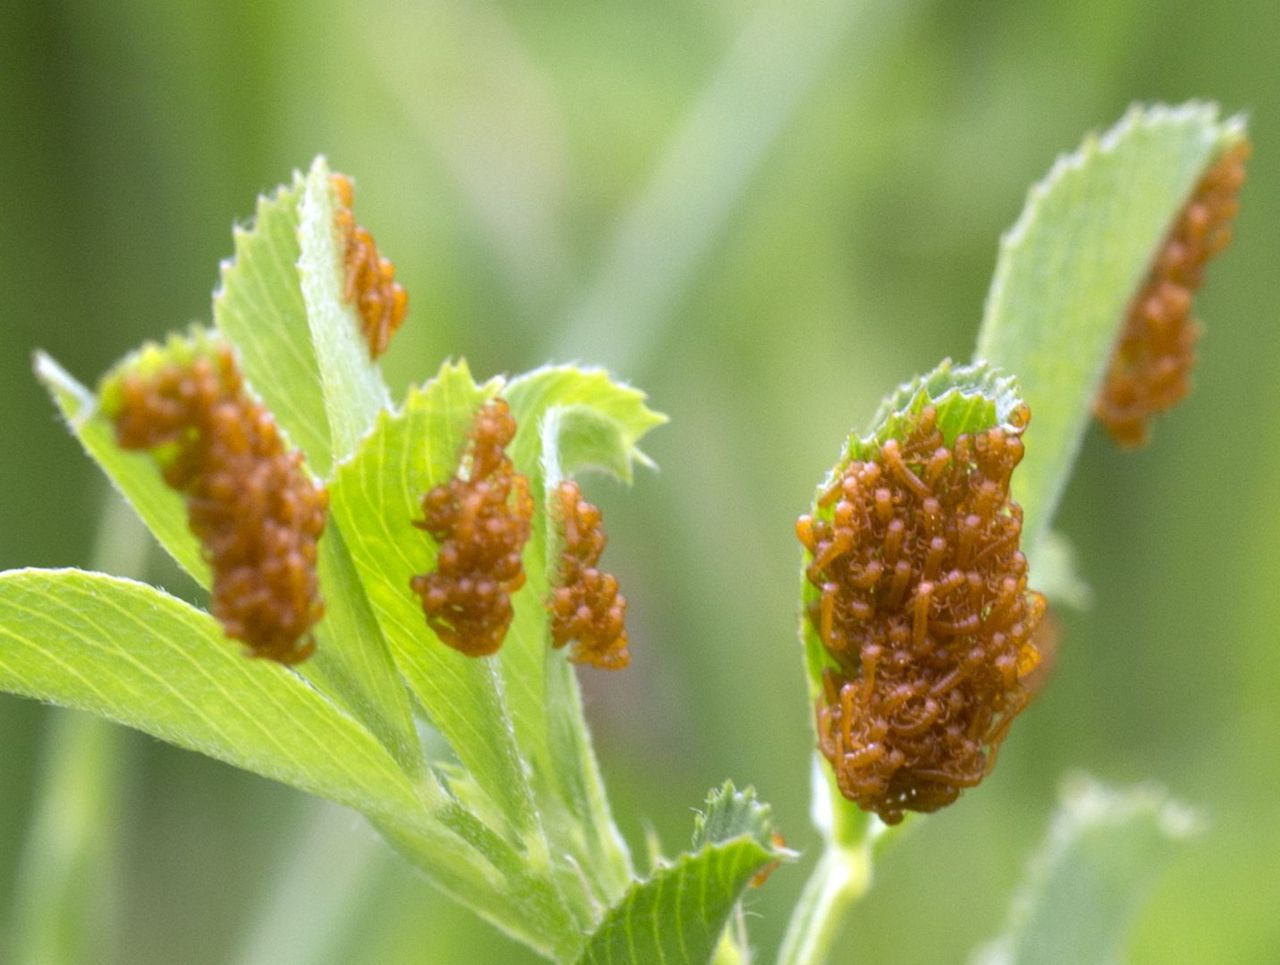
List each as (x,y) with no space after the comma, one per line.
(586,607)
(924,610)
(369,278)
(761,876)
(256,513)
(1151,364)
(481,522)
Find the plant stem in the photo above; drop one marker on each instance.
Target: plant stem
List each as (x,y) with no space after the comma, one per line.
(64,909)
(841,877)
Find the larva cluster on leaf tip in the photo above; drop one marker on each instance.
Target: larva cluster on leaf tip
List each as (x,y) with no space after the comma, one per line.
(381,301)
(1150,369)
(925,613)
(480,521)
(586,607)
(249,501)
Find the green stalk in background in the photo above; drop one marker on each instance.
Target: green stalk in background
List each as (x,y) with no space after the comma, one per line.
(65,910)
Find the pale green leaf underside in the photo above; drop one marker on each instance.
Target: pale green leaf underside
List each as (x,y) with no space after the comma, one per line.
(570,770)
(1102,854)
(1069,267)
(375,497)
(354,392)
(260,309)
(679,912)
(353,662)
(618,411)
(135,655)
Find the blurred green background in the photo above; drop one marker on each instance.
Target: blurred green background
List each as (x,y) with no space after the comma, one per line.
(766,216)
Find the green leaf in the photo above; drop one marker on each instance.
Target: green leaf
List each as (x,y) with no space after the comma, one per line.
(610,418)
(351,662)
(135,655)
(520,900)
(679,912)
(731,813)
(260,309)
(134,474)
(375,497)
(568,420)
(1103,852)
(354,392)
(968,399)
(595,423)
(1069,268)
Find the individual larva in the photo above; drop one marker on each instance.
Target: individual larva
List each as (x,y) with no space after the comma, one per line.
(249,501)
(925,612)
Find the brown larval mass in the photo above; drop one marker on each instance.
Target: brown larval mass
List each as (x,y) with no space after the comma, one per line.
(1150,369)
(255,511)
(586,607)
(370,279)
(925,611)
(480,521)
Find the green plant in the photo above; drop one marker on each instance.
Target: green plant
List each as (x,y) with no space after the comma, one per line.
(471,754)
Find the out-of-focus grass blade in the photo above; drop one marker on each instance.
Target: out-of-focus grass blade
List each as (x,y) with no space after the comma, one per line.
(1103,852)
(66,892)
(63,903)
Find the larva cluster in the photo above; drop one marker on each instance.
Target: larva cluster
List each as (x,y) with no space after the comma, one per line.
(1150,370)
(256,513)
(480,521)
(586,607)
(925,612)
(370,279)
